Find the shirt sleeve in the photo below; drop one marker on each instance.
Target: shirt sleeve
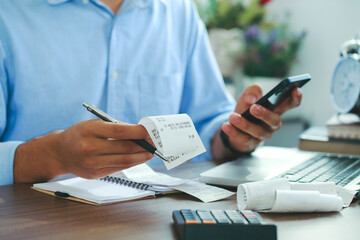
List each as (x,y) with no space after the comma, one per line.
(205,98)
(7,149)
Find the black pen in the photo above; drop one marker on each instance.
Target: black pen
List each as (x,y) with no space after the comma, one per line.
(141,142)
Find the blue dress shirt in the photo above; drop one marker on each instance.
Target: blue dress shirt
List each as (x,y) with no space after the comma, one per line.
(151,58)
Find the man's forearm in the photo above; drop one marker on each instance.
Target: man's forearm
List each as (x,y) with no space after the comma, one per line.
(35,160)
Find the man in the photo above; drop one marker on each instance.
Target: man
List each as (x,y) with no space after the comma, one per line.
(132,59)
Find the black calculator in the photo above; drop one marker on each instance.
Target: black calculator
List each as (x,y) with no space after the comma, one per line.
(222,224)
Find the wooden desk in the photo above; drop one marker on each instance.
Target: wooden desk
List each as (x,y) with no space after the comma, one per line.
(27,214)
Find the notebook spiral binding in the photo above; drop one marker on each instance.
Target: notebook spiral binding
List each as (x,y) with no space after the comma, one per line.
(125,182)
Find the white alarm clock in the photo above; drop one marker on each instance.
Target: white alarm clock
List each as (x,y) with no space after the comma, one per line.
(345,86)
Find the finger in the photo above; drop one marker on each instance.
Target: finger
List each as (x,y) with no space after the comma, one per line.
(291,102)
(101,146)
(118,131)
(116,161)
(241,141)
(272,119)
(250,95)
(257,131)
(126,160)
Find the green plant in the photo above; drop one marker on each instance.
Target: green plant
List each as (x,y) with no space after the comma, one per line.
(268,48)
(231,13)
(270,52)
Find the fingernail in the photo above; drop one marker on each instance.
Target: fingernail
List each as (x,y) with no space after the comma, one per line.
(227,128)
(298,92)
(257,110)
(235,119)
(251,99)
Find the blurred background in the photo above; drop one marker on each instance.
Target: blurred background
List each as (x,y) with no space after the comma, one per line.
(264,41)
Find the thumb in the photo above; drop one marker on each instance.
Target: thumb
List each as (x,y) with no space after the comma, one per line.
(250,95)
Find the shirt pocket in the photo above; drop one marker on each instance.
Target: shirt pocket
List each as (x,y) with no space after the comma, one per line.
(160,94)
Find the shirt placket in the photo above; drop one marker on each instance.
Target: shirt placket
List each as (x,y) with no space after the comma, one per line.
(115,98)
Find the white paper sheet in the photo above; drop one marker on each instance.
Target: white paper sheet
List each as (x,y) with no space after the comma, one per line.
(206,193)
(278,195)
(175,137)
(145,174)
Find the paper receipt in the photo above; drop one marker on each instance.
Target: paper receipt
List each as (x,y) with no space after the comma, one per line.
(206,193)
(279,195)
(175,137)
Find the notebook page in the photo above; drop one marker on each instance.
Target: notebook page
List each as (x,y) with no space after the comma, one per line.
(152,187)
(94,190)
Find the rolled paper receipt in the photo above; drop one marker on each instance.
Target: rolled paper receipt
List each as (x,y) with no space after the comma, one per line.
(278,195)
(305,201)
(260,195)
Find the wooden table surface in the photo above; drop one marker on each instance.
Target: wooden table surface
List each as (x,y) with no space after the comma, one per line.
(28,214)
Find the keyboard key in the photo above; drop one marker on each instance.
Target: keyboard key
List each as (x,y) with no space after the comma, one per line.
(325,168)
(349,174)
(301,166)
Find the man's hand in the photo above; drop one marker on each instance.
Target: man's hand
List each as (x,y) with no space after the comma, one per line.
(245,136)
(89,149)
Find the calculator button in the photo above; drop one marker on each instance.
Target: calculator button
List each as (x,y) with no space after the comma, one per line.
(222,231)
(252,217)
(190,216)
(236,217)
(220,216)
(253,221)
(206,217)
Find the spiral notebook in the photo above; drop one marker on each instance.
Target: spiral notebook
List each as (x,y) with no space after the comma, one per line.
(100,191)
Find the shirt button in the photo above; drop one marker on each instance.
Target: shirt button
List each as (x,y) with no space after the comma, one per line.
(85,1)
(115,75)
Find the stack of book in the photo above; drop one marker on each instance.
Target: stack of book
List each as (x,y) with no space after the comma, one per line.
(340,135)
(344,126)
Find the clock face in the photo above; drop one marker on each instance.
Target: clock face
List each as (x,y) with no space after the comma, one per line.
(345,86)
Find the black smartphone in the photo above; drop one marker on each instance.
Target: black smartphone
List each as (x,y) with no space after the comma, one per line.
(278,94)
